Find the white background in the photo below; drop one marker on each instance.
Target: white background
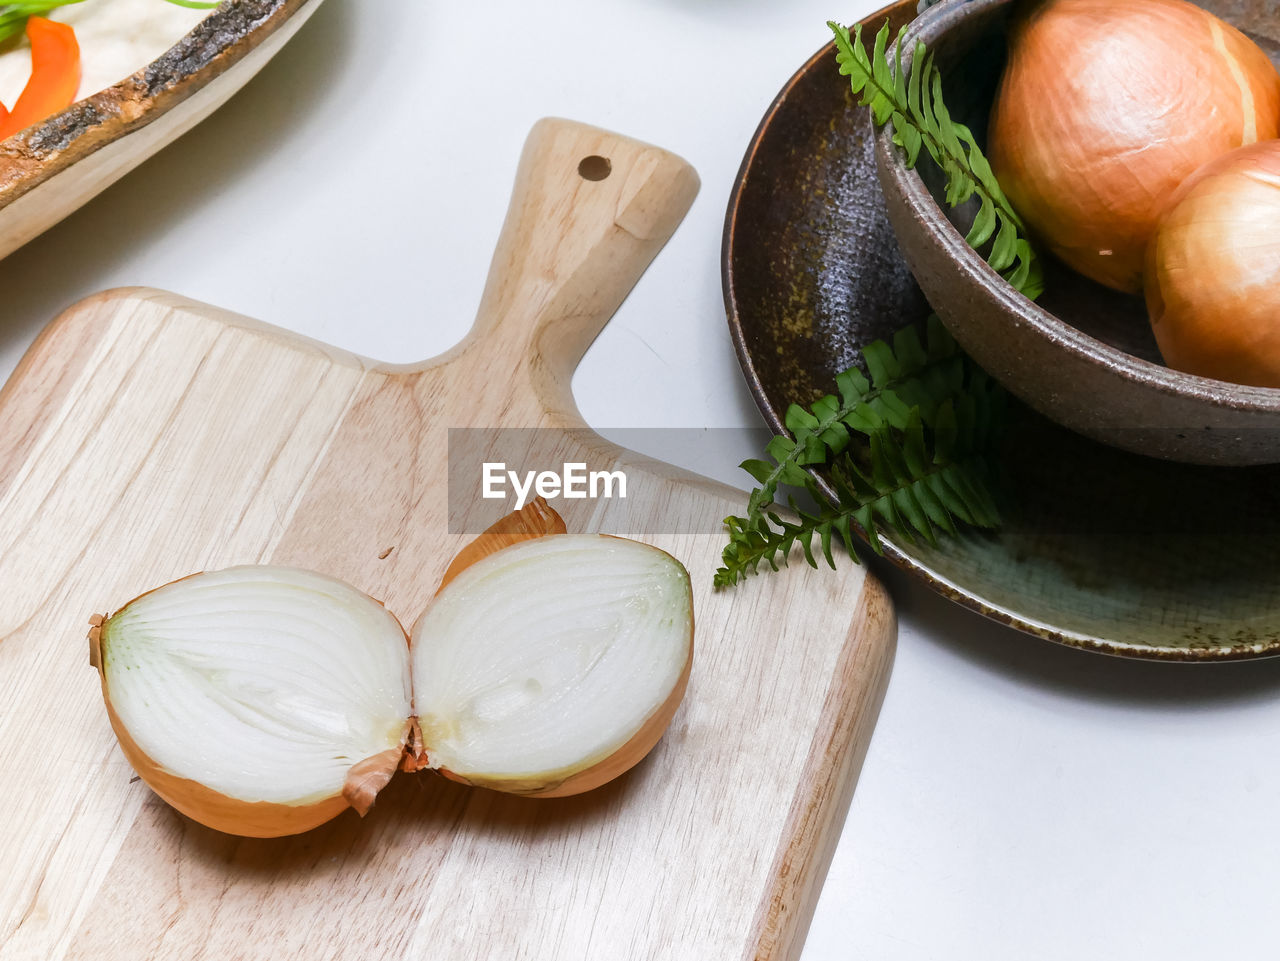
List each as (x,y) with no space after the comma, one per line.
(1019,800)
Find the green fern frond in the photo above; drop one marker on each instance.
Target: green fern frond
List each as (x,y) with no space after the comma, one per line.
(913,101)
(905,446)
(915,481)
(911,374)
(921,466)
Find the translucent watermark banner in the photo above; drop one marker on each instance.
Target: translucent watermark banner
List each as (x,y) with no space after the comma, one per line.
(1046,482)
(494,471)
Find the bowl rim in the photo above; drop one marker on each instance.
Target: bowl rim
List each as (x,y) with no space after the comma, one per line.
(930,26)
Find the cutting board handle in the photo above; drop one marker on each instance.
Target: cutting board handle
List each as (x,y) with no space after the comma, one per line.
(589,211)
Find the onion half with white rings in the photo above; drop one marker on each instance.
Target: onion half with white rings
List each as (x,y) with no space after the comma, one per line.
(553,665)
(260,701)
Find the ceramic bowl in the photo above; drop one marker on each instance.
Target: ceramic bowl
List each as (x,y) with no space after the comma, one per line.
(1083,355)
(50,169)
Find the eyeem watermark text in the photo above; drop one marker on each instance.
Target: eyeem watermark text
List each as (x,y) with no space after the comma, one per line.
(573,482)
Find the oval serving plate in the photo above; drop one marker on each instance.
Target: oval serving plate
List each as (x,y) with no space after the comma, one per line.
(1100,549)
(50,169)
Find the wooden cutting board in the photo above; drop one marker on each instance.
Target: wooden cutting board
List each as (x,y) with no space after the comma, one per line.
(144,437)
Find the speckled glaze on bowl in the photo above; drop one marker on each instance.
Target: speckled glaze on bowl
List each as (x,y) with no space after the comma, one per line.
(50,169)
(1083,356)
(1100,549)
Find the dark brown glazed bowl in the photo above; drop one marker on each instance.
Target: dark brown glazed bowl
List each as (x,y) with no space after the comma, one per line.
(50,169)
(1083,356)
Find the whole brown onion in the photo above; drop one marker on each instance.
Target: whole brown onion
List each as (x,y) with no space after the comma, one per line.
(1213,275)
(1106,106)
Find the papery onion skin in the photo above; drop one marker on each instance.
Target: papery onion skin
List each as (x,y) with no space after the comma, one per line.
(236,816)
(1106,106)
(536,519)
(1213,276)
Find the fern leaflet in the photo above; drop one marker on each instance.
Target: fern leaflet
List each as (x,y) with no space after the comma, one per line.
(904,447)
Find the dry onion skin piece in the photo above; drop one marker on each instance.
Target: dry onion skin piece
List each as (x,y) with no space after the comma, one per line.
(536,519)
(553,665)
(1106,106)
(259,701)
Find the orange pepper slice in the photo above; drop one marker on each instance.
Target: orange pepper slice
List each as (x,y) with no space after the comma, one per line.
(55,75)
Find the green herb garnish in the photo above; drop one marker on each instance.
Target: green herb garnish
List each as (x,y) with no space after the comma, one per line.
(906,451)
(13,16)
(913,101)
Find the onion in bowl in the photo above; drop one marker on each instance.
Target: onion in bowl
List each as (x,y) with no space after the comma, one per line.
(1213,275)
(1106,106)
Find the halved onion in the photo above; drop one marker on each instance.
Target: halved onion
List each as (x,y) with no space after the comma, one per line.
(553,665)
(260,701)
(263,701)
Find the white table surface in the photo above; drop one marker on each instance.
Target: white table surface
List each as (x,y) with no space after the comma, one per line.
(1019,800)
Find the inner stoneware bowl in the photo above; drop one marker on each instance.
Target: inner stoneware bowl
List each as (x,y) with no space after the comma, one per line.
(1084,355)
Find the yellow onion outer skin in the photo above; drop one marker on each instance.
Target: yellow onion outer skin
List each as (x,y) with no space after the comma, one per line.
(1106,106)
(1213,270)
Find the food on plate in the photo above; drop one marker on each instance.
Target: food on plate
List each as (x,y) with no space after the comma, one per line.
(53,52)
(54,80)
(263,701)
(1213,275)
(1106,107)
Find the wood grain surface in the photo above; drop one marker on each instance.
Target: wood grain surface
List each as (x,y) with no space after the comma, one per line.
(145,437)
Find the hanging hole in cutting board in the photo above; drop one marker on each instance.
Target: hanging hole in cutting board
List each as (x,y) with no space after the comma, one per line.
(594,167)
